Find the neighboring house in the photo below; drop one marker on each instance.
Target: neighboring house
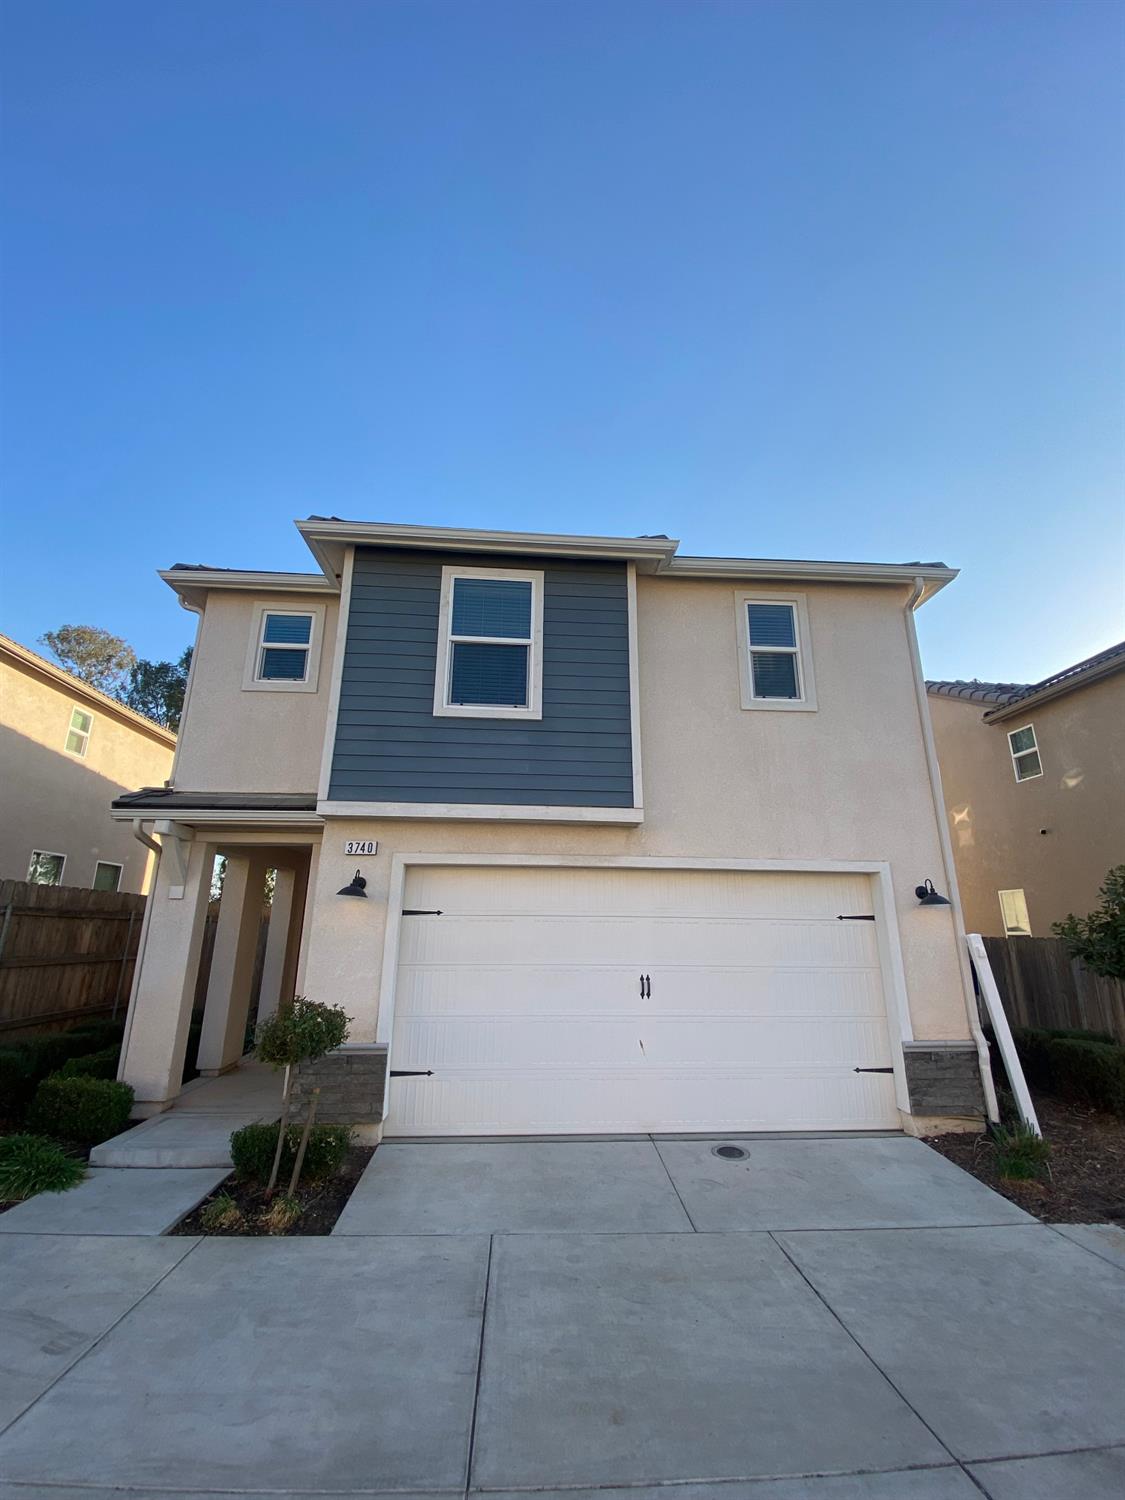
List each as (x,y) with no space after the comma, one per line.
(439,740)
(1034,778)
(66,750)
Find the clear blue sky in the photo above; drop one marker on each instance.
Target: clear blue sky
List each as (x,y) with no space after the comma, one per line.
(807,279)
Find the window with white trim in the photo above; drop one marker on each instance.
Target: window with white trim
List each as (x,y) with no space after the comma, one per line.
(78,735)
(489,645)
(45,868)
(773,645)
(107,876)
(1013,909)
(1025,753)
(283,646)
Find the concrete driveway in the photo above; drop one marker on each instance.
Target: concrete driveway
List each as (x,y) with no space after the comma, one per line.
(836,1319)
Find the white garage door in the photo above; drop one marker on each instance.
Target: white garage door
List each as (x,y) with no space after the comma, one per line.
(616,1000)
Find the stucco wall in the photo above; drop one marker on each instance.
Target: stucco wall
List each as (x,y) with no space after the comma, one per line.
(846,782)
(59,802)
(995,821)
(238,740)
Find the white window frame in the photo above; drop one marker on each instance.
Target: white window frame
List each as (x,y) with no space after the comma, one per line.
(806,703)
(442,676)
(110,864)
(1024,931)
(47,854)
(1017,755)
(85,733)
(251,682)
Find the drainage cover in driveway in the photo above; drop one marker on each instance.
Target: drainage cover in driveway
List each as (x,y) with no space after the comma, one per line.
(730,1153)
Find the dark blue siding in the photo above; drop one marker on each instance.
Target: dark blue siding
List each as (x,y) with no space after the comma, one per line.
(390,747)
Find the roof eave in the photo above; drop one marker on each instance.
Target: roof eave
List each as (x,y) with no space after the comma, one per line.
(192,585)
(795,570)
(1021,706)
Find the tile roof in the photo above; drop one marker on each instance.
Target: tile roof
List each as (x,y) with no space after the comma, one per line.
(978,692)
(1007,694)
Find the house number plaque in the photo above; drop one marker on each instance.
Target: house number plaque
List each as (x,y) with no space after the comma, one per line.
(361,846)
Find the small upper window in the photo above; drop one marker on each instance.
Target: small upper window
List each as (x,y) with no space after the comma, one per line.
(1025,753)
(488,656)
(773,647)
(1013,908)
(78,736)
(284,648)
(45,868)
(107,876)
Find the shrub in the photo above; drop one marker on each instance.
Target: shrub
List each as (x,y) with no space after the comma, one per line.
(45,1055)
(83,1110)
(100,1034)
(17,1085)
(1093,1072)
(30,1164)
(222,1213)
(1020,1153)
(1031,1045)
(1098,940)
(252,1150)
(1078,1034)
(101,1064)
(281,1215)
(300,1032)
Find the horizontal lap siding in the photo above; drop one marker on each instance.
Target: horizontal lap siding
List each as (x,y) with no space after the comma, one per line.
(390,747)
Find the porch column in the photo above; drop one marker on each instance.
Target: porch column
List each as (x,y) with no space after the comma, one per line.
(283,941)
(152,1059)
(232,964)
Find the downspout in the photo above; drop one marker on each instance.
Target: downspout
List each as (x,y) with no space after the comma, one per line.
(949,871)
(150,843)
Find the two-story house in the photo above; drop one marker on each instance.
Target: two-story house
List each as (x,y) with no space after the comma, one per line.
(66,750)
(1034,777)
(586,836)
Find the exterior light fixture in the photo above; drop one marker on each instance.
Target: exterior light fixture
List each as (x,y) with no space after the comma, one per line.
(925,892)
(358,887)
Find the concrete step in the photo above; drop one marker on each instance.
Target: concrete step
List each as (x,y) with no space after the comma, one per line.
(115,1202)
(176,1139)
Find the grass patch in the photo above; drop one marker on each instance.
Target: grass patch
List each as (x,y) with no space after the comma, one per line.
(221,1214)
(31,1164)
(1021,1155)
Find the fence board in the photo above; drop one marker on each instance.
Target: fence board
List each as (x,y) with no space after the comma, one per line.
(66,954)
(1041,986)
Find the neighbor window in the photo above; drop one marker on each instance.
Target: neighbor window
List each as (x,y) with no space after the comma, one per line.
(284,652)
(78,736)
(489,646)
(773,650)
(45,868)
(1025,753)
(1013,908)
(107,876)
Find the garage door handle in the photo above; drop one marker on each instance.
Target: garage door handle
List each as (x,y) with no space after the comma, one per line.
(872,1070)
(855,919)
(423,1072)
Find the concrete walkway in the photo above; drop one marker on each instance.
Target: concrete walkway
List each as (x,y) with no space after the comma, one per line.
(196,1131)
(976,1351)
(114,1201)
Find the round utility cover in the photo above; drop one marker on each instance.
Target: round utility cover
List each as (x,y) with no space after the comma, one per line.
(730,1153)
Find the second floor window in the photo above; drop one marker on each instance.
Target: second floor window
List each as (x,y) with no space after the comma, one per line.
(283,654)
(489,645)
(1025,753)
(78,735)
(45,868)
(773,646)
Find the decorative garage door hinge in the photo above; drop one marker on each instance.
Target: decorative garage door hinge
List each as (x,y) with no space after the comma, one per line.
(855,919)
(872,1070)
(410,911)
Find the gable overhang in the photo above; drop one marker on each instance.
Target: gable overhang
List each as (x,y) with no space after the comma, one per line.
(1107,666)
(192,585)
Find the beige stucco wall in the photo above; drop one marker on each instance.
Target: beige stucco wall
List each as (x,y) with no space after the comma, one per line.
(235,739)
(59,802)
(995,821)
(847,782)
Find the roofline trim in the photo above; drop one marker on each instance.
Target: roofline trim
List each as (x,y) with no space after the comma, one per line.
(1056,689)
(76,688)
(934,576)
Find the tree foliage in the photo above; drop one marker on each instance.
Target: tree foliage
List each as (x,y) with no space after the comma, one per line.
(1099,939)
(300,1032)
(93,655)
(156,689)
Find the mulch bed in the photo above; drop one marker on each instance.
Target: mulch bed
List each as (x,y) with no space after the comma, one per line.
(1086,1180)
(322,1203)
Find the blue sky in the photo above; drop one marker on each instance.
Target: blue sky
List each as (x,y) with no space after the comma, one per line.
(807,279)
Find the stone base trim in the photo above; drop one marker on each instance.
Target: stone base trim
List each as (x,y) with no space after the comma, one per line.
(352,1083)
(943,1079)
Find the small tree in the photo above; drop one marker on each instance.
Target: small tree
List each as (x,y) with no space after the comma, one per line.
(298,1032)
(156,689)
(93,655)
(1099,939)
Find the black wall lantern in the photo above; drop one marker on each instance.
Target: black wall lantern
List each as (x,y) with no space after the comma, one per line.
(926,894)
(358,887)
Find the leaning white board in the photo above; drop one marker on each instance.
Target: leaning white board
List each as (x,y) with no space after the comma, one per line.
(1001,1030)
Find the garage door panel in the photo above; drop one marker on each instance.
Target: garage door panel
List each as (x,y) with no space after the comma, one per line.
(662,1100)
(583,991)
(524,999)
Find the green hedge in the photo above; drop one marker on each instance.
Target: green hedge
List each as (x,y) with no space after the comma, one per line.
(101,1064)
(1085,1065)
(17,1086)
(83,1110)
(25,1064)
(252,1149)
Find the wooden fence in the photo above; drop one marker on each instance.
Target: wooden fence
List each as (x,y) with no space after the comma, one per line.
(1042,987)
(66,954)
